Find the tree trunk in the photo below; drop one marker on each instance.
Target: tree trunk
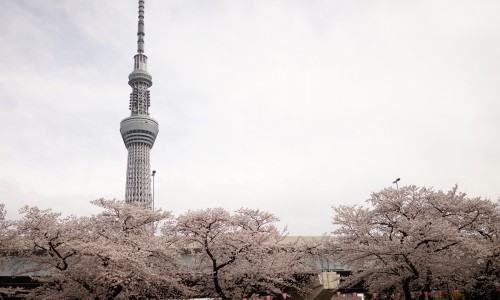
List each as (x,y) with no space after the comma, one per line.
(428,284)
(406,289)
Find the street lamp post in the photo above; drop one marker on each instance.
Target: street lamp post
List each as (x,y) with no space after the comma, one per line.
(396,182)
(153,175)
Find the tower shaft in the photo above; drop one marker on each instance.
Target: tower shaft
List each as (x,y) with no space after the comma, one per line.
(139,131)
(138,184)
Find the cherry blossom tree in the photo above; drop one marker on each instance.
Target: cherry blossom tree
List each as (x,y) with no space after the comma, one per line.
(6,235)
(9,251)
(416,239)
(111,255)
(46,248)
(484,246)
(4,227)
(236,256)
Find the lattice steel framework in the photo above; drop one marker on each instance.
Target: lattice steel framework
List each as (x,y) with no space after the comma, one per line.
(139,131)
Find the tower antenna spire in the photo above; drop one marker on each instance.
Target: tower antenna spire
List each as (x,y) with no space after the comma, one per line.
(140,28)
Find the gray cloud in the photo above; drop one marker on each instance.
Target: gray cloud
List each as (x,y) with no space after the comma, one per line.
(288,106)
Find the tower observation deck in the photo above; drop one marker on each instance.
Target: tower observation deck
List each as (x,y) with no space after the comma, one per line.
(139,131)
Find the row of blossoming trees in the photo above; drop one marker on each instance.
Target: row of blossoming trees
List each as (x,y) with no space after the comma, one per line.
(127,252)
(409,241)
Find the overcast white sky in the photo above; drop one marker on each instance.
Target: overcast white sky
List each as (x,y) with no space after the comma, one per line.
(288,106)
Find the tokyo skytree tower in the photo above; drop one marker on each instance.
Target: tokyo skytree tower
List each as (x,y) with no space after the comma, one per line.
(139,131)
